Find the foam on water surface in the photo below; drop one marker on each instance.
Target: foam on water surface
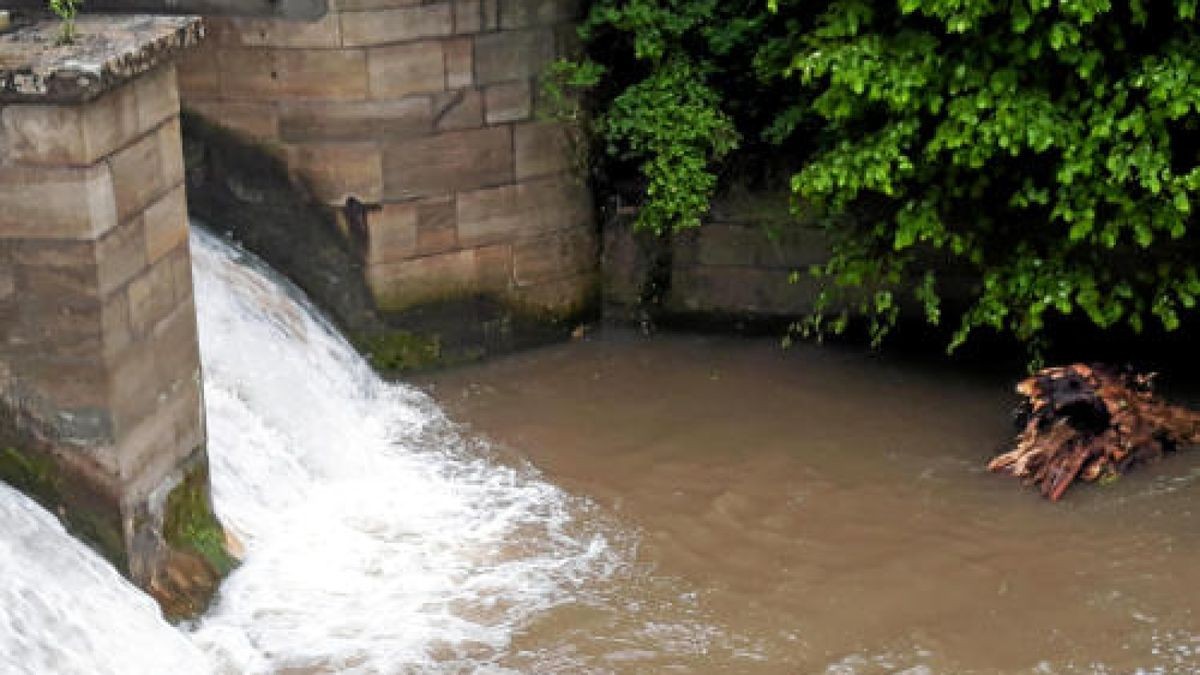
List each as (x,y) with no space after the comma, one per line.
(377,536)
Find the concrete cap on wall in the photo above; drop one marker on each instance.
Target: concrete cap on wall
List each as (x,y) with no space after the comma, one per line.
(108,51)
(280,9)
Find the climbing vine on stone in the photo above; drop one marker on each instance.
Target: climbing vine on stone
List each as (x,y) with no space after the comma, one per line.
(1047,152)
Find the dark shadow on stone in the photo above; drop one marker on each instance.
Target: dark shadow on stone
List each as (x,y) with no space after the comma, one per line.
(237,189)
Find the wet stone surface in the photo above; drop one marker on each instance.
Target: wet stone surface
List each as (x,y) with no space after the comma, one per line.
(109,50)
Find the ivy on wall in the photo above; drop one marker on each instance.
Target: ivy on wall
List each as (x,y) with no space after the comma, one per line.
(1046,151)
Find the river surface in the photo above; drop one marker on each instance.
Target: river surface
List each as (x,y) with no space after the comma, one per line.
(615,505)
(827,511)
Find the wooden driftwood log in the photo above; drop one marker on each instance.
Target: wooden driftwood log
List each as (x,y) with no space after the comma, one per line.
(1091,423)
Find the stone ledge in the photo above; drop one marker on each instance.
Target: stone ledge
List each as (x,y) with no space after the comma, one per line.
(282,9)
(110,50)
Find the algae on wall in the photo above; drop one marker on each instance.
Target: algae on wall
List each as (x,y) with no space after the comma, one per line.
(189,524)
(239,188)
(29,465)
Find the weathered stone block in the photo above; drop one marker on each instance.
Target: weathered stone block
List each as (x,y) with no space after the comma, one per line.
(438,277)
(741,290)
(468,16)
(501,213)
(555,255)
(562,296)
(199,73)
(401,70)
(254,32)
(72,203)
(459,160)
(147,169)
(135,387)
(120,255)
(176,356)
(160,441)
(723,244)
(180,260)
(48,252)
(166,224)
(335,171)
(151,298)
(258,120)
(404,284)
(170,147)
(402,24)
(359,5)
(61,330)
(87,388)
(82,134)
(456,110)
(494,268)
(522,13)
(508,102)
(115,327)
(246,73)
(491,14)
(437,226)
(266,73)
(51,135)
(513,55)
(459,62)
(50,288)
(392,233)
(541,149)
(157,94)
(328,74)
(7,281)
(356,120)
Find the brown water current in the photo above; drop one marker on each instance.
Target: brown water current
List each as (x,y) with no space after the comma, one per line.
(822,510)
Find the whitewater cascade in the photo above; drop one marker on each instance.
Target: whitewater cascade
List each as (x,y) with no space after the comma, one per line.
(378,538)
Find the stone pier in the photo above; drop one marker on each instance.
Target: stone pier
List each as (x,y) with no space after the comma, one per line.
(101,415)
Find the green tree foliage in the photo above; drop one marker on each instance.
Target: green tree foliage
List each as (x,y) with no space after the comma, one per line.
(1046,152)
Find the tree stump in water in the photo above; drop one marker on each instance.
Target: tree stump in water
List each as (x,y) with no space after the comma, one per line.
(1091,423)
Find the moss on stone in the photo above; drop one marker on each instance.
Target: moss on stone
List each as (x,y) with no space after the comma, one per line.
(190,526)
(400,350)
(104,536)
(34,475)
(38,476)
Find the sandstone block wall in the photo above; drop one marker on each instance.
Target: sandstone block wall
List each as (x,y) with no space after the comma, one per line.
(738,266)
(416,121)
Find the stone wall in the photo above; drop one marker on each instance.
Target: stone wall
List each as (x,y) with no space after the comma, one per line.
(415,121)
(101,414)
(740,267)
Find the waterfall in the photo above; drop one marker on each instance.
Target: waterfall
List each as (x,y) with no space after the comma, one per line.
(378,537)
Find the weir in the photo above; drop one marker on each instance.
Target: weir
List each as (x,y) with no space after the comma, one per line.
(377,537)
(408,134)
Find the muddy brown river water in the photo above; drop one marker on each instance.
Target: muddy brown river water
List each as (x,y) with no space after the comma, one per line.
(822,510)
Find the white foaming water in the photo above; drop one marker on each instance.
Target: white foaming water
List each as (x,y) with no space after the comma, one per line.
(65,610)
(378,539)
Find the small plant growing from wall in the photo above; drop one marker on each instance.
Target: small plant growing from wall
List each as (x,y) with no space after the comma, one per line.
(66,11)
